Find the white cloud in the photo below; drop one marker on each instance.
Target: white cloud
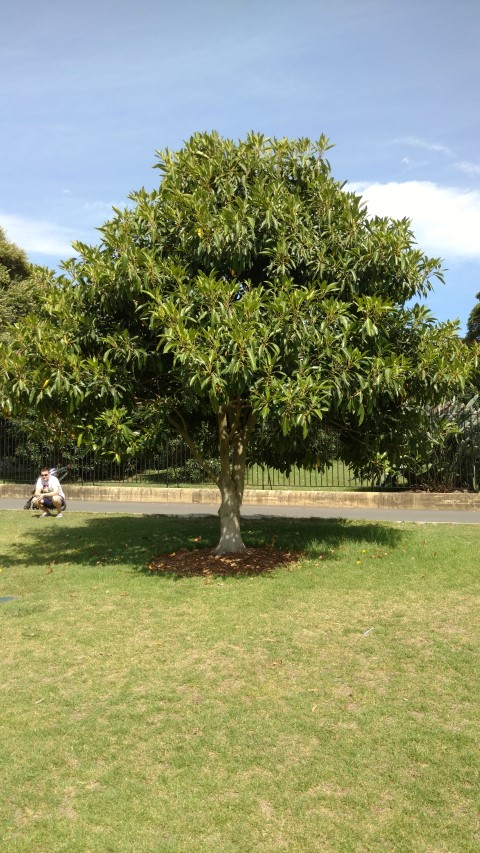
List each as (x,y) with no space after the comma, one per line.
(101,208)
(38,235)
(467,167)
(445,220)
(413,164)
(424,143)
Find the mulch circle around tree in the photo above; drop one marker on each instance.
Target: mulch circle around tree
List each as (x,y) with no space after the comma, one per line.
(204,562)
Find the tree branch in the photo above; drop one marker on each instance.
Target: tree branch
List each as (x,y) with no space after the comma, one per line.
(182,430)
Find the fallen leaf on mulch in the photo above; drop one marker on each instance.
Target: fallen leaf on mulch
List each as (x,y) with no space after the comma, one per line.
(203,562)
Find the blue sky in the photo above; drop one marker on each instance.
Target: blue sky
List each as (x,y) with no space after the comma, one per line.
(90,90)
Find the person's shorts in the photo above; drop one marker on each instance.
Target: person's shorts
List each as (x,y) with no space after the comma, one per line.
(49,503)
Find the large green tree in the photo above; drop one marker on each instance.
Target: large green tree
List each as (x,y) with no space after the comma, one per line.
(22,288)
(473,339)
(15,292)
(473,323)
(250,295)
(22,285)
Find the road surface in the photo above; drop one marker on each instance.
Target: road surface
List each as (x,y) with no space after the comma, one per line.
(249,511)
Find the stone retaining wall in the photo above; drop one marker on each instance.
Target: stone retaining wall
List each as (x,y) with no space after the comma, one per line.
(257,497)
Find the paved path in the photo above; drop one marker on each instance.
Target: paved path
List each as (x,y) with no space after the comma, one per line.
(130,508)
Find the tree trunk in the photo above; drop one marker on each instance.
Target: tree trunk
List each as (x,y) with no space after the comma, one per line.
(232,446)
(233,431)
(230,536)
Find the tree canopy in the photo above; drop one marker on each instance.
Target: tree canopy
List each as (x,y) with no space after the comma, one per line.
(473,323)
(21,284)
(15,299)
(250,294)
(472,338)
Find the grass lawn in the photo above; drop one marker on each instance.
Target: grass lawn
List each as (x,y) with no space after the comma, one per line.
(329,705)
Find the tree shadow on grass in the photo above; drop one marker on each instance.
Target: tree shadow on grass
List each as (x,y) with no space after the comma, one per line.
(179,547)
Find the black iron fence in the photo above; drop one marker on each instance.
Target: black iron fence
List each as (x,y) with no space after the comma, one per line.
(21,458)
(453,463)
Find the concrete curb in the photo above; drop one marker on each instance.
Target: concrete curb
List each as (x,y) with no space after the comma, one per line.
(257,497)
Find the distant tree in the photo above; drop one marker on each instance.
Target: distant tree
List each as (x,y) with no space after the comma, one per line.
(473,323)
(14,282)
(250,296)
(21,284)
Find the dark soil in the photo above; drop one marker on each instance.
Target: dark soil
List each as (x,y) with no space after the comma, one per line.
(204,562)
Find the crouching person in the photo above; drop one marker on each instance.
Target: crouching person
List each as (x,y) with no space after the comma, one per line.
(48,494)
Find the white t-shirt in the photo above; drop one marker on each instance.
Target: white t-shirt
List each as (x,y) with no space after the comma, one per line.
(51,485)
